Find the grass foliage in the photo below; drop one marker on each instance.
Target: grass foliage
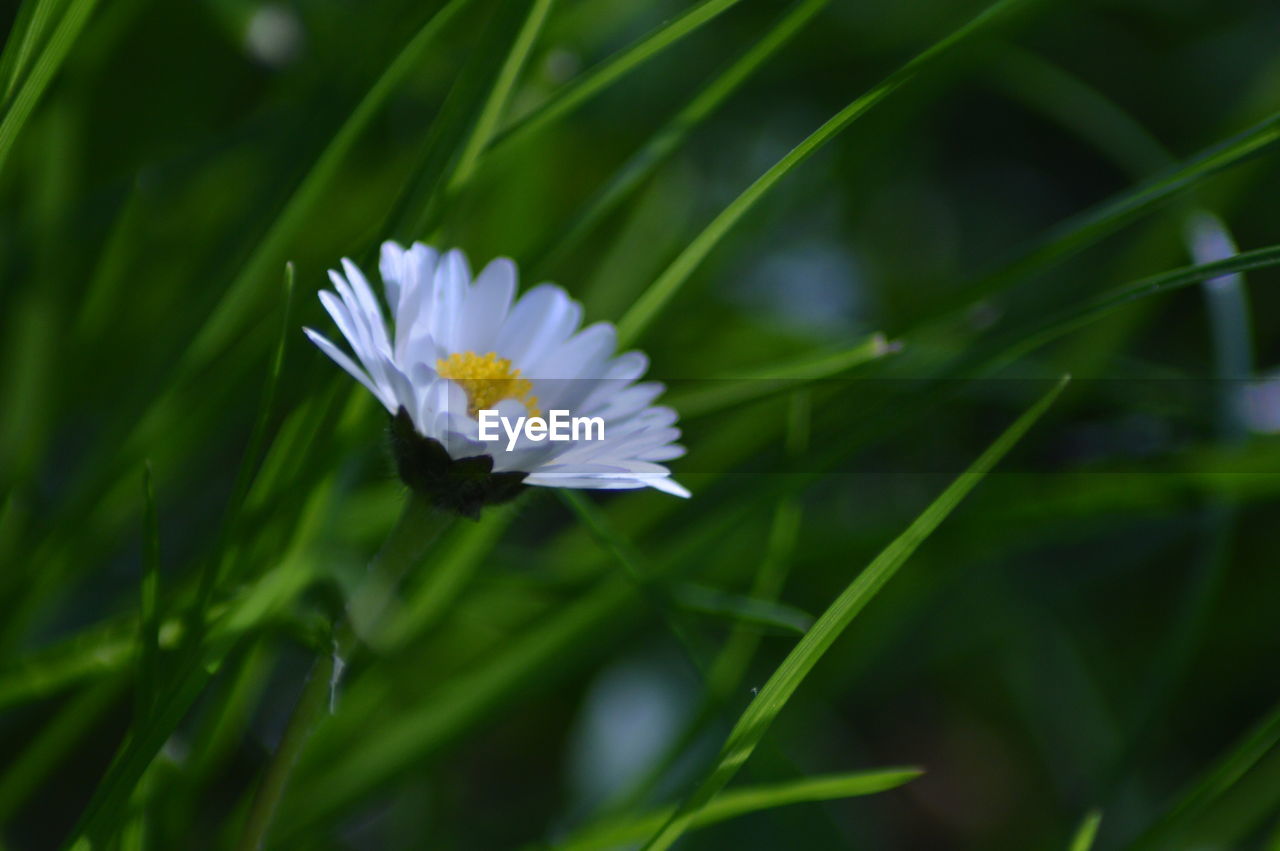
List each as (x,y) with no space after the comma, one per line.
(861,243)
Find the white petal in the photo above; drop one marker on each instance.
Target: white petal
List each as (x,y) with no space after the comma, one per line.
(386,397)
(413,313)
(364,296)
(663,453)
(543,318)
(486,307)
(391,266)
(583,355)
(448,295)
(356,336)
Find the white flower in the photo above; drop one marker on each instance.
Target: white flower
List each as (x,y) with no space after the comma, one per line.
(458,346)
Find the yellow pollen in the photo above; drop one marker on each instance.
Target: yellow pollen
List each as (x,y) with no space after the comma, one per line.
(487,380)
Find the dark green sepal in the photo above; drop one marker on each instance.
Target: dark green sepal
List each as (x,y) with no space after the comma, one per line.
(463,485)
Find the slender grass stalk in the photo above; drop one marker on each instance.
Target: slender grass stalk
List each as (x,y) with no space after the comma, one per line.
(662,290)
(479,83)
(149,605)
(1087,228)
(626,830)
(27,770)
(239,301)
(789,376)
(1087,832)
(645,581)
(579,628)
(773,697)
(491,114)
(731,663)
(595,80)
(1081,109)
(672,135)
(306,715)
(55,52)
(418,527)
(29,27)
(1216,781)
(1095,308)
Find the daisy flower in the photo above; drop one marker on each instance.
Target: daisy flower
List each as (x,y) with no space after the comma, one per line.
(463,354)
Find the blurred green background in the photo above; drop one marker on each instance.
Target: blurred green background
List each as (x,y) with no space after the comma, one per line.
(1094,628)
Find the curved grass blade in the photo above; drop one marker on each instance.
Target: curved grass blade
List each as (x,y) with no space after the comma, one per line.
(1087,832)
(149,605)
(462,555)
(487,123)
(773,697)
(729,667)
(418,209)
(1215,782)
(1100,306)
(1083,110)
(26,770)
(596,79)
(740,609)
(1043,87)
(741,801)
(55,51)
(238,302)
(107,810)
(250,464)
(622,551)
(334,776)
(1081,231)
(660,292)
(28,30)
(754,385)
(661,144)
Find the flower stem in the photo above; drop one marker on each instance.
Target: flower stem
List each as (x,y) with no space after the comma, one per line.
(419,525)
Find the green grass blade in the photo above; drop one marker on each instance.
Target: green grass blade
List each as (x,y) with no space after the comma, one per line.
(1215,782)
(727,670)
(29,27)
(622,551)
(661,291)
(250,463)
(596,79)
(228,719)
(241,299)
(1081,231)
(486,125)
(403,740)
(773,697)
(419,208)
(1043,87)
(740,609)
(19,109)
(761,383)
(663,143)
(463,555)
(149,604)
(737,802)
(107,649)
(1096,308)
(1087,832)
(26,771)
(108,810)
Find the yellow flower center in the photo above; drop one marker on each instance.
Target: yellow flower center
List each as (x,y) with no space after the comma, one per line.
(487,380)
